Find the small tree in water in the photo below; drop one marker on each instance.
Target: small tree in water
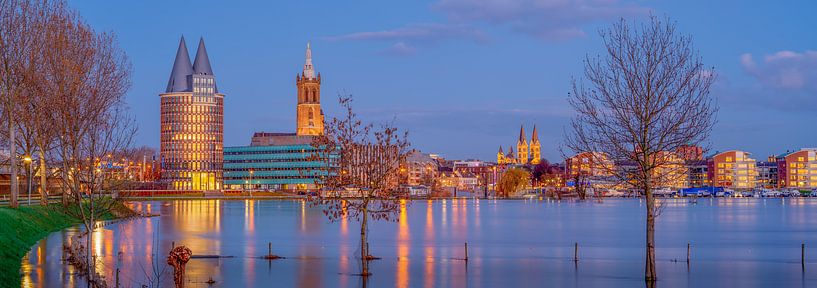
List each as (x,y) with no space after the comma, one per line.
(648,97)
(359,172)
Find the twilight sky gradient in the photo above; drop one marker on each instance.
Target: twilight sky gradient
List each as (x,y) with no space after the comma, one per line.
(462,75)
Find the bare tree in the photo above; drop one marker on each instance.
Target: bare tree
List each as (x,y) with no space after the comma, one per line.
(359,172)
(18,30)
(648,96)
(91,119)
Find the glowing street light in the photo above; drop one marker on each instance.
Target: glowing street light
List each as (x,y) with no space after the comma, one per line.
(27,159)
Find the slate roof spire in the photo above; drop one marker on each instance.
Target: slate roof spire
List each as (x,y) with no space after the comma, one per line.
(202,63)
(182,68)
(522,134)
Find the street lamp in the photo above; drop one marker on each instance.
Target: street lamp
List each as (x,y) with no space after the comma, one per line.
(251,172)
(27,159)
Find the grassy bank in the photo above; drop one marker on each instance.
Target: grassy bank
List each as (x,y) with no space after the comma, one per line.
(21,228)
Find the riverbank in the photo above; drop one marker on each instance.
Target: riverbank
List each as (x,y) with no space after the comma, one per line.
(22,227)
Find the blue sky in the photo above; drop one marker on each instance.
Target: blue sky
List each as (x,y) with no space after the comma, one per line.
(463,75)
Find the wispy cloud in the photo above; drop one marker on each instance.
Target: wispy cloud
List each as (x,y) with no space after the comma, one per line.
(550,20)
(543,19)
(785,69)
(431,32)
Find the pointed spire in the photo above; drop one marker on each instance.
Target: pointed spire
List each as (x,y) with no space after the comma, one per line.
(522,134)
(500,149)
(202,63)
(181,69)
(535,136)
(309,71)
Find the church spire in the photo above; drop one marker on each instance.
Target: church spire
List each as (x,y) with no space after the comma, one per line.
(181,69)
(535,136)
(309,71)
(522,134)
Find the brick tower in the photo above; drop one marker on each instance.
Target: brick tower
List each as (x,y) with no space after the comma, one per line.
(309,114)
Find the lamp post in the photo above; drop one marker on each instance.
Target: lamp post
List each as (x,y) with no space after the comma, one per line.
(251,172)
(27,159)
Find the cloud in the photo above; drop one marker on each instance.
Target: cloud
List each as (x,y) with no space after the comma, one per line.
(544,19)
(786,70)
(400,49)
(433,32)
(550,20)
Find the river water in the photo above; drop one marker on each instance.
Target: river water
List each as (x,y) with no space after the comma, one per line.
(511,243)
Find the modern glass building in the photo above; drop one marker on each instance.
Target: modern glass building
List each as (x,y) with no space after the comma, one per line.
(273,167)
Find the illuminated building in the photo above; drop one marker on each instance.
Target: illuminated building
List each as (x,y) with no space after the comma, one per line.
(275,167)
(798,169)
(732,169)
(280,161)
(535,148)
(309,113)
(522,147)
(526,153)
(192,129)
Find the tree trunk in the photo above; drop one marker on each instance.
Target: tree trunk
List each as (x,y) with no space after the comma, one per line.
(649,269)
(14,188)
(43,181)
(364,253)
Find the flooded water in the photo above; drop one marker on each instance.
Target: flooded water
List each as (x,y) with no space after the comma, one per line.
(511,243)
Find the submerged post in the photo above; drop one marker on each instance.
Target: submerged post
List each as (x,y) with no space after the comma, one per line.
(687,252)
(803,256)
(466,251)
(576,252)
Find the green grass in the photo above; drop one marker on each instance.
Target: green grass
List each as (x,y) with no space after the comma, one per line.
(21,228)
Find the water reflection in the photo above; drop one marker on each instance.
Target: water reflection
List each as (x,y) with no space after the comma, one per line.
(736,242)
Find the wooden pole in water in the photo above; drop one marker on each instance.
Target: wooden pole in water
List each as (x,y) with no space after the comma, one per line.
(269,249)
(576,252)
(687,252)
(803,256)
(466,251)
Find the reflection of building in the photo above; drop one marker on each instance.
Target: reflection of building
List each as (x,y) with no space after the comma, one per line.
(192,117)
(526,153)
(732,169)
(798,169)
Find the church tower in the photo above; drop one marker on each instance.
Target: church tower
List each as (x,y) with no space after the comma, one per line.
(522,147)
(510,158)
(309,112)
(500,156)
(535,148)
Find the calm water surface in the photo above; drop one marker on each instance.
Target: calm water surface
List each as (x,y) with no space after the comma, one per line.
(512,243)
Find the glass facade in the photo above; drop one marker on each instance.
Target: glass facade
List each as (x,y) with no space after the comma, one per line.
(191,141)
(275,167)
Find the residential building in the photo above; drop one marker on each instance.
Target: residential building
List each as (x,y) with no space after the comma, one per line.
(798,169)
(192,124)
(767,173)
(732,169)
